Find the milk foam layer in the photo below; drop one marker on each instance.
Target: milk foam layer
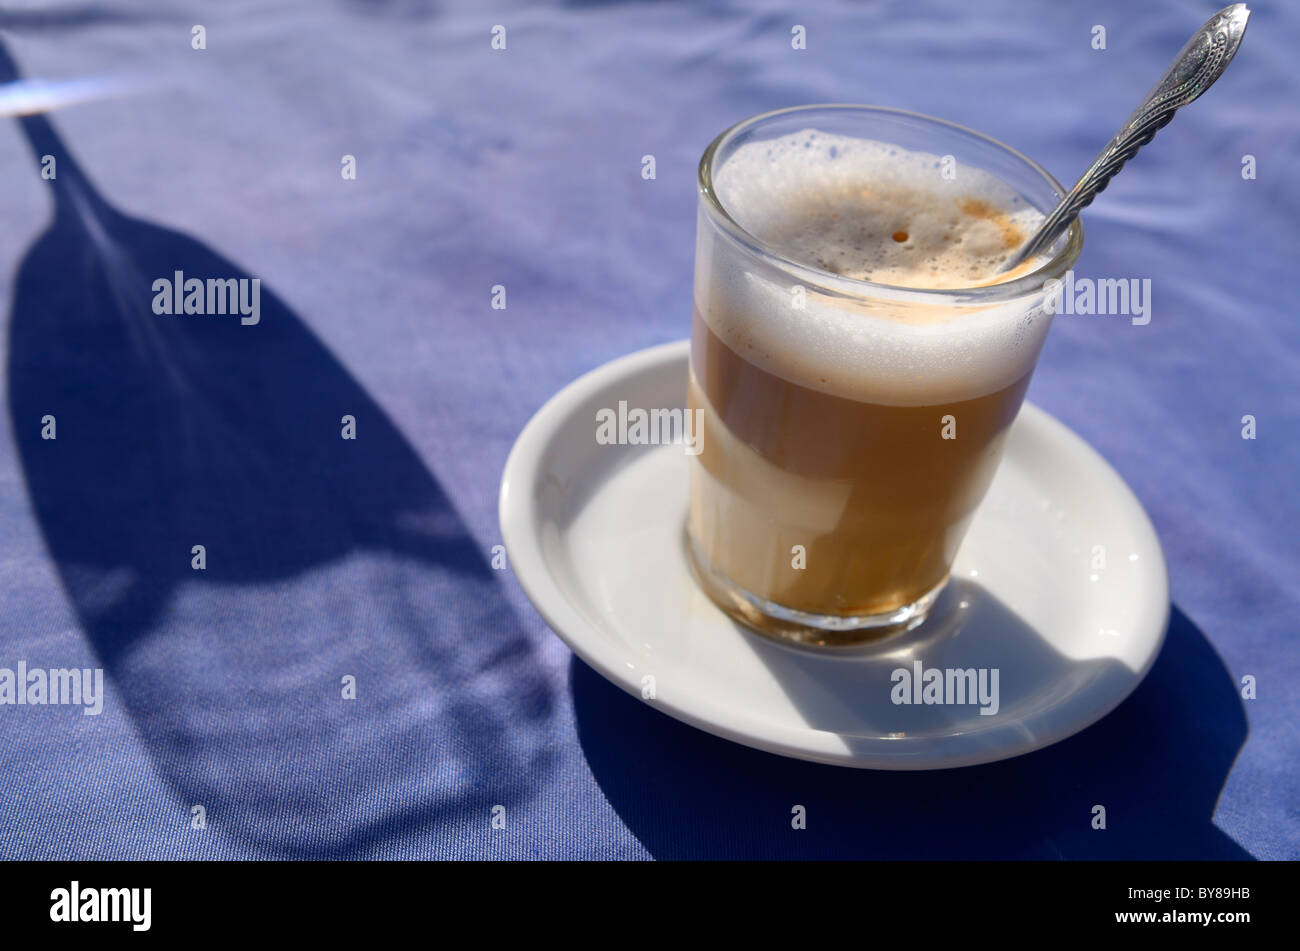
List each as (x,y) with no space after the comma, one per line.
(872,211)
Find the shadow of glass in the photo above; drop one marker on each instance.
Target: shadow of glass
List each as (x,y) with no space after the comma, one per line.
(325,557)
(1156,763)
(850,692)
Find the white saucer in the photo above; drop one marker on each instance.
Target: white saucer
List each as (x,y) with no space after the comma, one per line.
(594,535)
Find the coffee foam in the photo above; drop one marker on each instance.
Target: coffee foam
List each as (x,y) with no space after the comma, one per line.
(873,211)
(841,205)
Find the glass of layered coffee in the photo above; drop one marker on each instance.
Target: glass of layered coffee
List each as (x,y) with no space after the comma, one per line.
(858,357)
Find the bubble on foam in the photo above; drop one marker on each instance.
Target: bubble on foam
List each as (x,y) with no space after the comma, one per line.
(838,203)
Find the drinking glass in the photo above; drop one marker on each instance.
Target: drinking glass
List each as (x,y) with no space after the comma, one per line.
(850,428)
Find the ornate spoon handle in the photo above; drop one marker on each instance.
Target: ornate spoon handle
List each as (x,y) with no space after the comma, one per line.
(1193,71)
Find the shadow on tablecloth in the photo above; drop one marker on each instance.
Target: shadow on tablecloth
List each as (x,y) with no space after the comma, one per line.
(324,557)
(1157,763)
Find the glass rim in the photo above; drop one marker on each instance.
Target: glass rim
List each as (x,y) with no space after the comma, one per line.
(1024,285)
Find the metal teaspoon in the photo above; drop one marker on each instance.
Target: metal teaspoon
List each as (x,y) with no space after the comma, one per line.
(1194,70)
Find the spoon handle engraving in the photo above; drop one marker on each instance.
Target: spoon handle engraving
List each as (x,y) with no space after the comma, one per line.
(1200,62)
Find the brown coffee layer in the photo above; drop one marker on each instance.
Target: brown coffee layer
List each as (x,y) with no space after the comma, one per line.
(876,496)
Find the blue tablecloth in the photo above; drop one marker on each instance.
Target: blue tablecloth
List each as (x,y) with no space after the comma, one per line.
(371,558)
